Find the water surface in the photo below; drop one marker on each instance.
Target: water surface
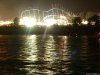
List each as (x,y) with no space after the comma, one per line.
(49,55)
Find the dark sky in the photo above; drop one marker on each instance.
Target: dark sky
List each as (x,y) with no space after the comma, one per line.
(12,8)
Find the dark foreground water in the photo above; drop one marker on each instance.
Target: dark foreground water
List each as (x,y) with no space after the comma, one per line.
(49,55)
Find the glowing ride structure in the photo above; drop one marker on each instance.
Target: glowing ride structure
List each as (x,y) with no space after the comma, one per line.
(30,17)
(55,19)
(28,21)
(55,16)
(51,17)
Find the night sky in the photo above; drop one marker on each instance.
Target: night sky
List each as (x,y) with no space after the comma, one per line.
(13,8)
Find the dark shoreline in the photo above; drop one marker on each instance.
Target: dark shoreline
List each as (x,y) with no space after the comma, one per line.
(54,30)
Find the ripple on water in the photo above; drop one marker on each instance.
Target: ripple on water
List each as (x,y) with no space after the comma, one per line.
(52,55)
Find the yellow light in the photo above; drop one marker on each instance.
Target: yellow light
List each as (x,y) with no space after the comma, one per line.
(5,22)
(62,17)
(27,21)
(84,22)
(50,22)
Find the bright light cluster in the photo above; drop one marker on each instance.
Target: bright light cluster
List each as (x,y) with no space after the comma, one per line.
(50,22)
(28,21)
(5,22)
(48,18)
(85,22)
(51,17)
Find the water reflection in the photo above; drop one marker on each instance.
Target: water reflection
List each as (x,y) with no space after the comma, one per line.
(9,54)
(78,54)
(52,55)
(93,55)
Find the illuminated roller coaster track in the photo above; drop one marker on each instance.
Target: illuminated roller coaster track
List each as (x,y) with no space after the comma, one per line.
(38,17)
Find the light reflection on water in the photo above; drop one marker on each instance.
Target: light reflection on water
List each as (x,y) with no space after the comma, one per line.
(52,55)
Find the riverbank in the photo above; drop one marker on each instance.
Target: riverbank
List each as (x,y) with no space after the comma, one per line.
(56,30)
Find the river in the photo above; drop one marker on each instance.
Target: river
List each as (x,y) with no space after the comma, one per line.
(49,55)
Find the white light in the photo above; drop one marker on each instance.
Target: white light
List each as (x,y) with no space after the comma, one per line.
(50,22)
(84,22)
(5,22)
(27,21)
(62,17)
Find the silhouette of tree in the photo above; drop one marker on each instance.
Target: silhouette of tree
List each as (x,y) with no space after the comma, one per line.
(95,19)
(86,15)
(16,21)
(77,20)
(89,14)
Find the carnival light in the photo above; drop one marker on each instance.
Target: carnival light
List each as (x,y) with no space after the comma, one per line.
(50,22)
(28,21)
(5,22)
(85,22)
(63,17)
(48,18)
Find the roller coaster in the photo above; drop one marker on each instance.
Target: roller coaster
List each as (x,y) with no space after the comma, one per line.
(49,17)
